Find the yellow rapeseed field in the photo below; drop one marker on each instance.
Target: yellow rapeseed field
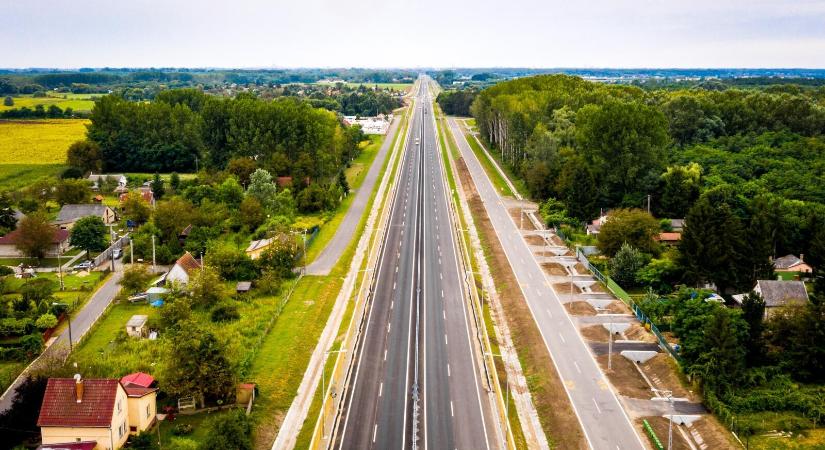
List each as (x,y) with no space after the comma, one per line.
(38,141)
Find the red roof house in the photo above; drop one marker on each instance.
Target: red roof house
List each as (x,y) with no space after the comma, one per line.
(8,244)
(138,379)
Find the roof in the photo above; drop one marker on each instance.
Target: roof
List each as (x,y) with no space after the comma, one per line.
(786,262)
(138,391)
(677,224)
(146,195)
(82,445)
(13,237)
(137,379)
(243,286)
(70,213)
(188,263)
(259,244)
(138,320)
(99,176)
(61,409)
(669,237)
(780,293)
(185,232)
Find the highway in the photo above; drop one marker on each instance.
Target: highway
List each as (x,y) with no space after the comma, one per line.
(417,342)
(605,423)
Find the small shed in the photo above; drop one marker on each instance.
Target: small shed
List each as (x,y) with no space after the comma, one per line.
(136,326)
(155,293)
(243,287)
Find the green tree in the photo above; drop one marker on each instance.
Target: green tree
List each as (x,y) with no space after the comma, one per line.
(197,365)
(89,233)
(242,169)
(577,186)
(205,287)
(795,335)
(261,187)
(8,101)
(680,188)
(157,186)
(172,216)
(753,311)
(554,212)
(36,235)
(722,362)
(174,181)
(251,213)
(343,183)
(625,264)
(624,144)
(712,246)
(633,226)
(135,278)
(73,192)
(135,208)
(230,192)
(85,155)
(232,430)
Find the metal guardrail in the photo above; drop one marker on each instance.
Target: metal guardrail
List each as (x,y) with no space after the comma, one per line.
(106,255)
(621,294)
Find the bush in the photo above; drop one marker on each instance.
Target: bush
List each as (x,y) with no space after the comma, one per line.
(225,312)
(182,444)
(182,429)
(45,321)
(143,441)
(32,344)
(229,431)
(625,264)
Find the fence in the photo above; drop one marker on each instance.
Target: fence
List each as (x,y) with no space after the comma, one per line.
(105,255)
(620,293)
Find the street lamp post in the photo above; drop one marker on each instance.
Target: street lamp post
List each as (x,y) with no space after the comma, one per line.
(668,395)
(69,317)
(324,393)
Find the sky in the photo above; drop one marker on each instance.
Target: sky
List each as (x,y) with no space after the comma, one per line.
(407,33)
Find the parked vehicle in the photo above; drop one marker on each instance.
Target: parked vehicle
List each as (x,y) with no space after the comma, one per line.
(85,265)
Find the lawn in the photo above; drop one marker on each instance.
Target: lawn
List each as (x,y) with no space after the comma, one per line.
(78,102)
(494,175)
(9,370)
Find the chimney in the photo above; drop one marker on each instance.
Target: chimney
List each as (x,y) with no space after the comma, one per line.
(801,257)
(78,387)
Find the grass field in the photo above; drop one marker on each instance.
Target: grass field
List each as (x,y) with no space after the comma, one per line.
(396,86)
(34,149)
(78,102)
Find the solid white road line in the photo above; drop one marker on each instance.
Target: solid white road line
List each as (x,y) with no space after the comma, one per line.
(562,338)
(374,432)
(597,406)
(380,388)
(452,412)
(578,369)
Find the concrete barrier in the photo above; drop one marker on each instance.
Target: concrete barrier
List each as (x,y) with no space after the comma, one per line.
(616,327)
(638,356)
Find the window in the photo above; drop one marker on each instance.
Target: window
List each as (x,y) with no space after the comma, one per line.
(119,409)
(121,429)
(148,412)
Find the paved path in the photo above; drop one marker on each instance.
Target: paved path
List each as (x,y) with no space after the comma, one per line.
(604,421)
(81,322)
(329,256)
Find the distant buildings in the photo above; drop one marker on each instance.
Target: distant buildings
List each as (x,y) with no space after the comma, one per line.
(183,269)
(370,125)
(778,293)
(98,179)
(791,263)
(257,247)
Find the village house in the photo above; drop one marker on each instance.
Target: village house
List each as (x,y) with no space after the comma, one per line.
(8,244)
(146,195)
(78,410)
(136,326)
(791,263)
(596,224)
(100,413)
(97,179)
(778,293)
(183,269)
(669,238)
(257,247)
(69,214)
(142,401)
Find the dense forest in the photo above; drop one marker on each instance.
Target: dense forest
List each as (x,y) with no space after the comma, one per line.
(745,168)
(184,128)
(456,102)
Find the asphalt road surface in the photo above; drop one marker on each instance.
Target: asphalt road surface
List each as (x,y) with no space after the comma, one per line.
(603,420)
(417,300)
(329,256)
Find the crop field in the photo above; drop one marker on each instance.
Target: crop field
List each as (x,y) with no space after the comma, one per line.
(78,102)
(34,149)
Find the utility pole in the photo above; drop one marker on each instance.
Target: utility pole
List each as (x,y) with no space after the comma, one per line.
(60,266)
(131,251)
(153,254)
(610,346)
(648,203)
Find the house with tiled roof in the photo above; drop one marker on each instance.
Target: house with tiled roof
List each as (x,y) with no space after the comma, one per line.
(778,293)
(8,244)
(792,263)
(142,400)
(183,269)
(79,410)
(69,214)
